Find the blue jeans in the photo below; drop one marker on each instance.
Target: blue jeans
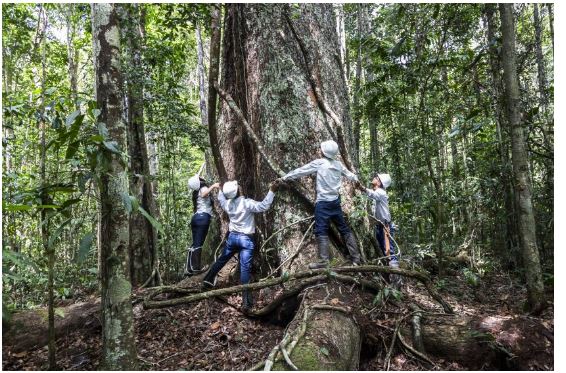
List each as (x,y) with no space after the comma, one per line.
(199,226)
(324,212)
(380,235)
(236,242)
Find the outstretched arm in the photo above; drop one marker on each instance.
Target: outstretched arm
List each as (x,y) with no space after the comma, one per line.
(309,168)
(206,191)
(222,200)
(378,194)
(349,175)
(255,206)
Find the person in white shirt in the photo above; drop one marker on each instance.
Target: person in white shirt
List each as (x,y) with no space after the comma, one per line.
(382,214)
(200,222)
(329,172)
(241,212)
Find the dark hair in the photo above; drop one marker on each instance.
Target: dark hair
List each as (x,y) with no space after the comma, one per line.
(196,192)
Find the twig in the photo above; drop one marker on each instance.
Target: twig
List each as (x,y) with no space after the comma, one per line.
(169,357)
(279,230)
(286,357)
(412,350)
(387,361)
(331,308)
(290,258)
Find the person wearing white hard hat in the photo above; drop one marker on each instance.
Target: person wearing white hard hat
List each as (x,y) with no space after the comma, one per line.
(200,222)
(329,172)
(240,240)
(382,214)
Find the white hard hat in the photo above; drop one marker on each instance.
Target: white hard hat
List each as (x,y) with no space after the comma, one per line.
(194,182)
(230,189)
(329,148)
(385,180)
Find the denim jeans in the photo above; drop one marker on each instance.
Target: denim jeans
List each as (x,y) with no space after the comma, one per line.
(380,235)
(199,226)
(324,212)
(236,242)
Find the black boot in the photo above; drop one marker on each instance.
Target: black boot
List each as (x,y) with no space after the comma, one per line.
(352,246)
(323,253)
(209,281)
(247,300)
(195,260)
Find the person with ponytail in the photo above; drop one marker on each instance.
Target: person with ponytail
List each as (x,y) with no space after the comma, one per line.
(200,222)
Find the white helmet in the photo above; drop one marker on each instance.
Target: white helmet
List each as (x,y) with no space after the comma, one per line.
(329,148)
(194,182)
(230,189)
(385,180)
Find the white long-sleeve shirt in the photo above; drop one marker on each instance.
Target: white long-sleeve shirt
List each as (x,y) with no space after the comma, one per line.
(328,177)
(380,204)
(241,211)
(204,204)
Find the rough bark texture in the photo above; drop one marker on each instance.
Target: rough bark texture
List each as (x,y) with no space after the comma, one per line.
(269,77)
(490,342)
(540,59)
(119,352)
(143,236)
(502,136)
(526,216)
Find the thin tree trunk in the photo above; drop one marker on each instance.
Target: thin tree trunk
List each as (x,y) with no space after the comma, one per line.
(502,138)
(551,24)
(143,236)
(540,60)
(72,52)
(357,93)
(45,199)
(201,78)
(118,342)
(212,95)
(526,218)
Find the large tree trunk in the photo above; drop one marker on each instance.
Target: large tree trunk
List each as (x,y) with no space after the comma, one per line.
(270,54)
(526,216)
(118,343)
(143,236)
(540,59)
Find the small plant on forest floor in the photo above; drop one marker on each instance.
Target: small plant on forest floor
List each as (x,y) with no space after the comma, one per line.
(384,294)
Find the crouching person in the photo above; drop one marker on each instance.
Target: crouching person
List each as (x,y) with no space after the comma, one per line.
(329,172)
(241,212)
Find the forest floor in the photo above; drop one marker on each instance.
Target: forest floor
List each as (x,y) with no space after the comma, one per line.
(215,335)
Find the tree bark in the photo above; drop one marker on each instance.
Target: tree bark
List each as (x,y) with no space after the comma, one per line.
(526,218)
(357,92)
(278,88)
(549,6)
(502,136)
(212,95)
(118,342)
(143,236)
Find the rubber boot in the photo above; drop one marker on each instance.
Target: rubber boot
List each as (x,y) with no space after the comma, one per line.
(352,246)
(188,270)
(247,300)
(323,253)
(209,281)
(195,260)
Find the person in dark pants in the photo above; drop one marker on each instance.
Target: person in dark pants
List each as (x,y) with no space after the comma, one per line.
(200,222)
(241,212)
(382,215)
(329,172)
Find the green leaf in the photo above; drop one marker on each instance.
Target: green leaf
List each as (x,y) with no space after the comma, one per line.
(324,351)
(50,90)
(127,202)
(71,118)
(102,130)
(59,312)
(57,233)
(96,139)
(151,219)
(84,247)
(16,207)
(72,150)
(112,146)
(96,113)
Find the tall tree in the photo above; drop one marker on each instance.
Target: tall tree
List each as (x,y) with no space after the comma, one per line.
(118,342)
(269,128)
(72,51)
(143,236)
(526,218)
